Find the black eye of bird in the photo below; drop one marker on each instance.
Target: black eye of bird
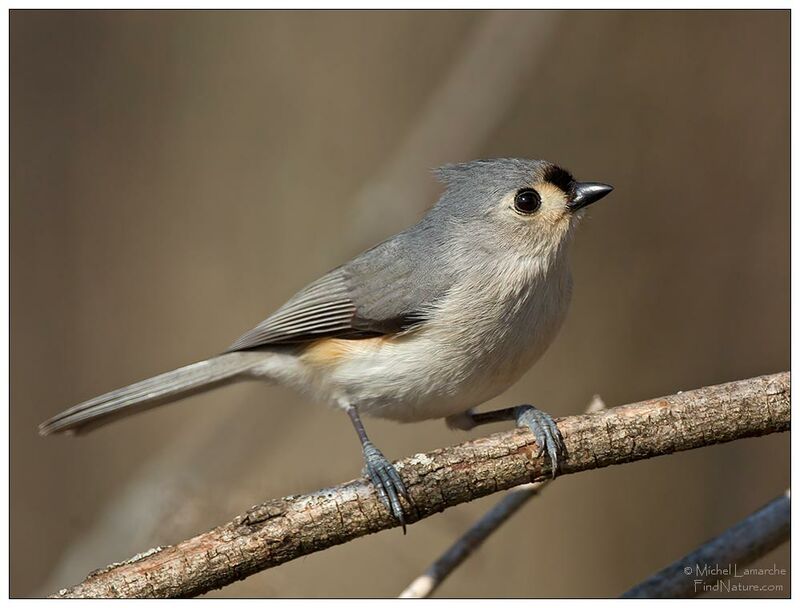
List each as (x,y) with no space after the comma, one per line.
(527,200)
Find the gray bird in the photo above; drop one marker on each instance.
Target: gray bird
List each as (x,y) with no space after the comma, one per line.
(428,324)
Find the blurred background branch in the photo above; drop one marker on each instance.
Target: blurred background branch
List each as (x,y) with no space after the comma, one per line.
(498,54)
(284,529)
(722,557)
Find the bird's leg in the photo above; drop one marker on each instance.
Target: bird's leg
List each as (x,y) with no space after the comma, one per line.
(381,472)
(541,424)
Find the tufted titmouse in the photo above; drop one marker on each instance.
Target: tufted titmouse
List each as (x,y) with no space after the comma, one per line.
(428,324)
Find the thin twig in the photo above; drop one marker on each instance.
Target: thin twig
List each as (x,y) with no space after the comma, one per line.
(722,557)
(425,584)
(287,528)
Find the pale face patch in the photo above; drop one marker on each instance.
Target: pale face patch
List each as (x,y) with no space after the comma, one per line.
(554,203)
(540,233)
(553,197)
(553,210)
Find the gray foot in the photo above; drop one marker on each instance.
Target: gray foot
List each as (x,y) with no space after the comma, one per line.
(544,429)
(387,482)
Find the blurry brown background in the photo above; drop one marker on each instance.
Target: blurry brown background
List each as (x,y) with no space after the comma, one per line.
(177,175)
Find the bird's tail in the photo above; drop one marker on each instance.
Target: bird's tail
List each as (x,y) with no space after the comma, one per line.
(152,392)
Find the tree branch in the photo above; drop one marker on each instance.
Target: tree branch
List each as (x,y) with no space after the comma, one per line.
(284,529)
(425,584)
(738,546)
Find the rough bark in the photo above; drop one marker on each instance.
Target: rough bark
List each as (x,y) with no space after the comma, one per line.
(425,584)
(283,529)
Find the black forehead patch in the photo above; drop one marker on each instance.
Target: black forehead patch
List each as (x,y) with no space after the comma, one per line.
(559,177)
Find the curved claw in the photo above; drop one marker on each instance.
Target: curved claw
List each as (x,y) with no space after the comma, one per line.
(546,432)
(387,482)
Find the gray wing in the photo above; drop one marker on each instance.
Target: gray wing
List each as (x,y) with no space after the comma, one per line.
(386,289)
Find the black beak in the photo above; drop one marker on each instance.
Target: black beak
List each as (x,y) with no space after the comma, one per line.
(587,193)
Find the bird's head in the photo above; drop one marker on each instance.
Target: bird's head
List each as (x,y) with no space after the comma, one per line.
(526,208)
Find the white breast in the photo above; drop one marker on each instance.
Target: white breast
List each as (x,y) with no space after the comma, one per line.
(478,342)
